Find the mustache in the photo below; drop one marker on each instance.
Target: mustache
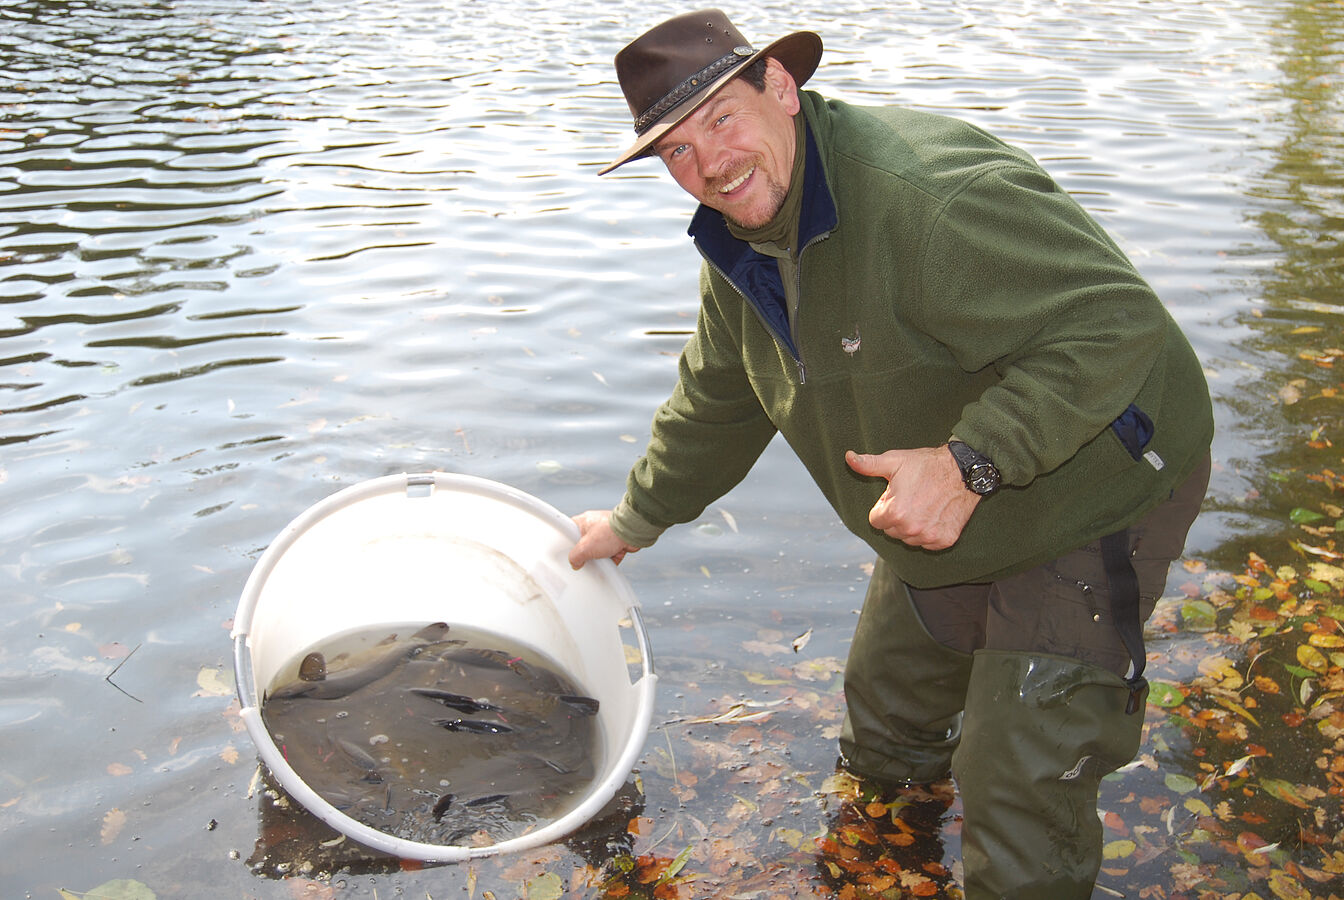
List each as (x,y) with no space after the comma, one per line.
(733,172)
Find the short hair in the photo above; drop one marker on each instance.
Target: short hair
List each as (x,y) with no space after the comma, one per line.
(754,74)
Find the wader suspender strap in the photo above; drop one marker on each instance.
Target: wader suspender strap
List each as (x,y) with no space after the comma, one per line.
(1125,609)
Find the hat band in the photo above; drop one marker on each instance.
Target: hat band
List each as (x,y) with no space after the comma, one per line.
(688,87)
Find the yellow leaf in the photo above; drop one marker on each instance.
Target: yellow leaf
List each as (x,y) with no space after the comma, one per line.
(1197,807)
(1221,668)
(113,822)
(1237,708)
(1312,659)
(546,886)
(1285,887)
(73,627)
(1332,575)
(229,754)
(118,769)
(213,683)
(1321,639)
(840,783)
(1118,849)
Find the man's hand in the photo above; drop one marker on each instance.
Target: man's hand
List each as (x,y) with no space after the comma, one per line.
(926,503)
(597,540)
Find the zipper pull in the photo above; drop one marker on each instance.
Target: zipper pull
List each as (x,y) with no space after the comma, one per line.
(802,372)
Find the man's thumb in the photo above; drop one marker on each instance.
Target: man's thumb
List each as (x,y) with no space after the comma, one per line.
(862,463)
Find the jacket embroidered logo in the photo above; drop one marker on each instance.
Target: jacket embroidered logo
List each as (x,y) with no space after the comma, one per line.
(850,345)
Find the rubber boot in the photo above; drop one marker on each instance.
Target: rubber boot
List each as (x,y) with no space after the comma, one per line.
(1040,733)
(904,692)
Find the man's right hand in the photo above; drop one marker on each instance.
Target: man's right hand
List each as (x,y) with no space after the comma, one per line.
(597,540)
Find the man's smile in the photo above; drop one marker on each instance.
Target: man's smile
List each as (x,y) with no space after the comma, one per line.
(737,182)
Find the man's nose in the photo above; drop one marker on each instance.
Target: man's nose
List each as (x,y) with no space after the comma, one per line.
(714,159)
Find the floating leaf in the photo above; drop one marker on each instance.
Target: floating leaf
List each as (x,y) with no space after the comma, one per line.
(1321,639)
(1118,849)
(116,889)
(1238,709)
(1196,807)
(546,886)
(212,683)
(1165,694)
(1198,615)
(1178,783)
(1312,659)
(1285,791)
(1285,887)
(113,821)
(1301,516)
(677,864)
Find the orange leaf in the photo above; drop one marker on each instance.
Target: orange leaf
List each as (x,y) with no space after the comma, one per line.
(113,822)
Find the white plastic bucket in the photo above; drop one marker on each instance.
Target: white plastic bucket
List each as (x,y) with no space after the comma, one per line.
(456,549)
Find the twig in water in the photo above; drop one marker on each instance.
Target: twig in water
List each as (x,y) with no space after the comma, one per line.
(108,676)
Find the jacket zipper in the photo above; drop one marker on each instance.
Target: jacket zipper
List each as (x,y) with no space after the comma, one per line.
(797,357)
(774,332)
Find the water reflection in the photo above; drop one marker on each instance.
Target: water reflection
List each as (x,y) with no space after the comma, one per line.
(1291,347)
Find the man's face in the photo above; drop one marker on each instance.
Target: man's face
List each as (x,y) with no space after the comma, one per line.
(735,153)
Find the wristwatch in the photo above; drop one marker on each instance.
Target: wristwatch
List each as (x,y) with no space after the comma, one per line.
(976,469)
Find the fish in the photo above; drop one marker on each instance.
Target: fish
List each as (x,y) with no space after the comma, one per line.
(483,801)
(357,754)
(480,657)
(441,806)
(321,683)
(585,706)
(474,726)
(460,702)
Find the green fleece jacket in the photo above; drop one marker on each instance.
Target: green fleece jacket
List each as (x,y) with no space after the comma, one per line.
(946,286)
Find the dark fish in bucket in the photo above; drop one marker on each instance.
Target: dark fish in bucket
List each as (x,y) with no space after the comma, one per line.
(460,702)
(318,681)
(474,726)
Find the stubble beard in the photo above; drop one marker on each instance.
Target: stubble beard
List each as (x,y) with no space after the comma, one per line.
(775,196)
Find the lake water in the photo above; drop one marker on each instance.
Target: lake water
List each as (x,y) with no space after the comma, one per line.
(253,253)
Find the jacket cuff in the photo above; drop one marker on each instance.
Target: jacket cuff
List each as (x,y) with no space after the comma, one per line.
(633,528)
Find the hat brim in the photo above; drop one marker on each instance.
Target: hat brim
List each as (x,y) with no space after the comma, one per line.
(799,53)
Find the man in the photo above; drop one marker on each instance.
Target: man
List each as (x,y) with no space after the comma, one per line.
(984,389)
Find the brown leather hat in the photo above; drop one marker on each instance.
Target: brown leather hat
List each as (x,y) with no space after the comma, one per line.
(675,68)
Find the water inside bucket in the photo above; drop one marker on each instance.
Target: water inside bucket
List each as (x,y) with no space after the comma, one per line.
(436,734)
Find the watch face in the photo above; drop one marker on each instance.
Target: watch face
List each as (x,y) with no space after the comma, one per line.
(982,478)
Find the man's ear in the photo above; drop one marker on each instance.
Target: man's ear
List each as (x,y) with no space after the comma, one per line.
(780,83)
